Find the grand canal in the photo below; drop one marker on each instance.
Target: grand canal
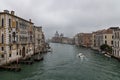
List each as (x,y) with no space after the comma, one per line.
(63,64)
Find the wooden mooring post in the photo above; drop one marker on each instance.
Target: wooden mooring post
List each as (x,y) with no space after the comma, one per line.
(11,67)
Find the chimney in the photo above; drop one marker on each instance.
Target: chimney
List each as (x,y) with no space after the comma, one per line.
(30,20)
(13,12)
(6,11)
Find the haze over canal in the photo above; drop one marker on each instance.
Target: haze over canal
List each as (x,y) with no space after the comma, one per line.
(63,64)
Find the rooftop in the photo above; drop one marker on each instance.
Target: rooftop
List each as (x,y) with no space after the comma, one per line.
(13,14)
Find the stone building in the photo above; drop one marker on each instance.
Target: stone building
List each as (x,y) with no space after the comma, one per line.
(39,40)
(116,41)
(66,40)
(76,40)
(17,37)
(101,37)
(85,39)
(59,38)
(97,39)
(56,38)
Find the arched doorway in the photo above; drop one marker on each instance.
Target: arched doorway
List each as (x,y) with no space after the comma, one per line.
(23,52)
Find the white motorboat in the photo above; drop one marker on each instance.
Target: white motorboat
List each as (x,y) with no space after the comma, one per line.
(107,55)
(80,55)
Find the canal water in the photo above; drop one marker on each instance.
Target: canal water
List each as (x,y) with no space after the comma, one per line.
(64,64)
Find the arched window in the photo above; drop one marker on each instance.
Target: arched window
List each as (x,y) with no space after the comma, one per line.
(105,42)
(115,43)
(119,53)
(118,35)
(9,38)
(9,22)
(13,34)
(2,38)
(105,36)
(2,22)
(118,43)
(17,53)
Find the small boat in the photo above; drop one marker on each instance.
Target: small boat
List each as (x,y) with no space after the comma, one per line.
(80,55)
(107,55)
(38,58)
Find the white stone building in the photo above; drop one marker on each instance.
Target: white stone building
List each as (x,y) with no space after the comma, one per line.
(116,46)
(17,37)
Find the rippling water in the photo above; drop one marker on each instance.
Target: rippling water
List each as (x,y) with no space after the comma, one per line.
(64,64)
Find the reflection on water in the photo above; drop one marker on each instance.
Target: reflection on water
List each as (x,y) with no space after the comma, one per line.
(64,64)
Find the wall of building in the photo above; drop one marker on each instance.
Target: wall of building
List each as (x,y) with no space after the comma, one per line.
(19,37)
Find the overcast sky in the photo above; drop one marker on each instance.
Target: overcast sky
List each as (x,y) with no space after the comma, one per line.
(67,16)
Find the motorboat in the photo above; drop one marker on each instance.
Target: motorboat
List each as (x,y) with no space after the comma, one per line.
(107,55)
(80,55)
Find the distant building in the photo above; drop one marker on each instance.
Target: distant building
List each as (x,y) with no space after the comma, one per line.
(76,40)
(100,37)
(116,41)
(56,38)
(56,34)
(66,40)
(83,39)
(61,35)
(59,38)
(97,39)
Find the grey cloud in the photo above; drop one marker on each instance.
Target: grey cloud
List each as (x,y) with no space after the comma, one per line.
(67,16)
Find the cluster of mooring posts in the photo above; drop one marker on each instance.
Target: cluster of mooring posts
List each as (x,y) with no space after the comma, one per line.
(15,66)
(28,60)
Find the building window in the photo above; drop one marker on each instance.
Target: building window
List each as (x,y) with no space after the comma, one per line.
(9,22)
(2,22)
(2,48)
(9,38)
(10,55)
(118,43)
(105,42)
(2,55)
(118,35)
(115,43)
(13,34)
(31,38)
(115,52)
(10,48)
(111,42)
(17,38)
(112,37)
(105,36)
(2,38)
(119,53)
(17,53)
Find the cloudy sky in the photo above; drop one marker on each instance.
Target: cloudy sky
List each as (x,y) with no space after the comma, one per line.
(67,16)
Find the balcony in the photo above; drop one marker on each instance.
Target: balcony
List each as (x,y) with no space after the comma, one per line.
(1,27)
